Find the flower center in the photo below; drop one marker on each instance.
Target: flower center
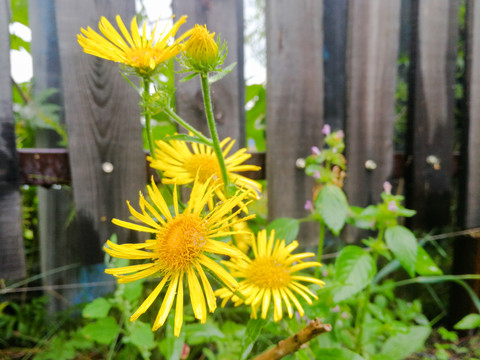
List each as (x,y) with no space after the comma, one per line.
(143,57)
(267,273)
(180,242)
(205,165)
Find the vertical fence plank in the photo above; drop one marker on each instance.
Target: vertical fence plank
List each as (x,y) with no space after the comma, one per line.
(12,261)
(54,205)
(431,111)
(105,144)
(335,17)
(373,38)
(467,249)
(294,103)
(225,18)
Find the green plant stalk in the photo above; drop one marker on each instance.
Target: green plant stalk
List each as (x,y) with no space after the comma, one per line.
(362,313)
(187,126)
(213,130)
(148,118)
(321,240)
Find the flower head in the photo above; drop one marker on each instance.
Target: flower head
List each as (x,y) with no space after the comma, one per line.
(181,165)
(271,276)
(202,53)
(179,250)
(201,48)
(139,52)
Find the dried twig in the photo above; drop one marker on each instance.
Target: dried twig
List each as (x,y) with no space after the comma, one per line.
(293,343)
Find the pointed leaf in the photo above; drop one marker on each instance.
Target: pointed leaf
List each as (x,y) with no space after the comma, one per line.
(285,229)
(355,269)
(471,321)
(425,265)
(331,203)
(403,244)
(254,328)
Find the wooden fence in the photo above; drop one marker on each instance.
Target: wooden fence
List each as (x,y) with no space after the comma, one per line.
(330,61)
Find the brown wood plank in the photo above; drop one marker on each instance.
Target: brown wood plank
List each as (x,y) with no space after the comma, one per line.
(225,18)
(294,104)
(12,261)
(102,116)
(466,258)
(54,204)
(373,39)
(431,111)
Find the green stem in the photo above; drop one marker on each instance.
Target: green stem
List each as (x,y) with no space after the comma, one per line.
(148,118)
(213,130)
(362,313)
(321,240)
(187,126)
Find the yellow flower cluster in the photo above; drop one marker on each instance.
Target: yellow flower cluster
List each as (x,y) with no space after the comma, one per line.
(187,239)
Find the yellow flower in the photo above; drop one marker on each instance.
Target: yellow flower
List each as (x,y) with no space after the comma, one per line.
(137,51)
(201,49)
(271,276)
(181,166)
(180,249)
(244,237)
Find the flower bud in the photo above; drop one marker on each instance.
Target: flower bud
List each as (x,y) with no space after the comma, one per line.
(201,49)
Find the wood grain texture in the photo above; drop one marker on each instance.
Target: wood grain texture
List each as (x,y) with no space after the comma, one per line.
(12,261)
(431,111)
(102,116)
(54,205)
(294,104)
(466,259)
(472,132)
(371,79)
(225,18)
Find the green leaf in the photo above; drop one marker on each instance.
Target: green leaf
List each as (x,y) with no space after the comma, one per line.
(425,265)
(254,329)
(471,321)
(188,77)
(102,331)
(399,346)
(98,308)
(202,333)
(354,269)
(219,75)
(331,203)
(285,229)
(185,137)
(171,347)
(403,244)
(336,354)
(141,335)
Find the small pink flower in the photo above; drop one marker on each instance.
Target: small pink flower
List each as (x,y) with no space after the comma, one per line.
(392,206)
(326,130)
(308,205)
(340,134)
(336,309)
(387,187)
(315,150)
(316,174)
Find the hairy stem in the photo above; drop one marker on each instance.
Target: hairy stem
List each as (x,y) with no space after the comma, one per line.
(213,130)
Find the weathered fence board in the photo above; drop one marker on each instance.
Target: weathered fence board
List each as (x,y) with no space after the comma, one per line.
(373,37)
(431,111)
(102,116)
(12,262)
(225,18)
(467,249)
(54,205)
(294,103)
